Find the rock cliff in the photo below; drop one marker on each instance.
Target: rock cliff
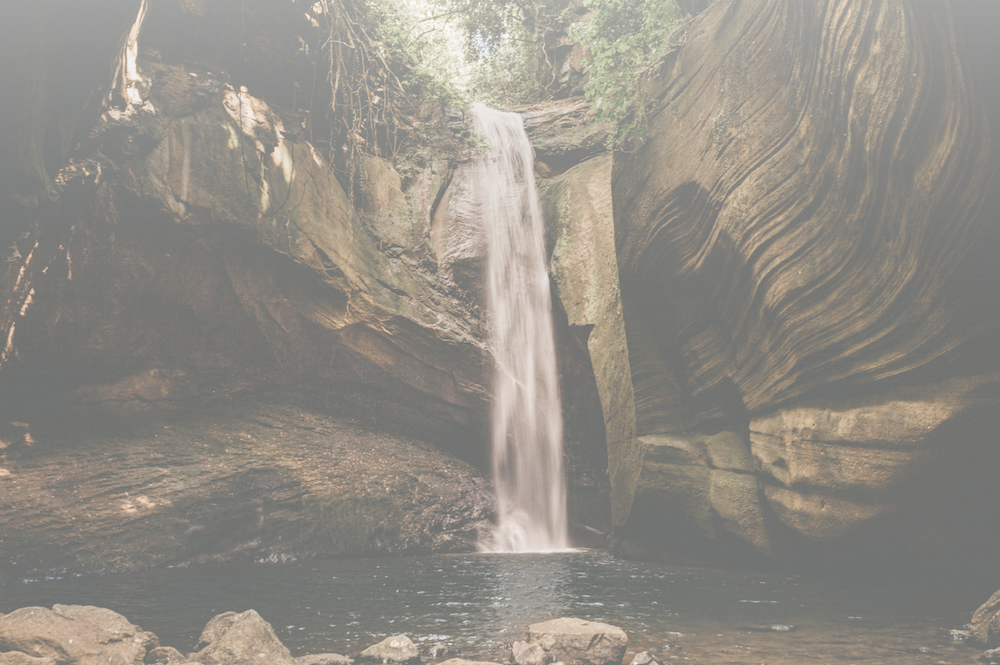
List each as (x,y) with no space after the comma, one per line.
(180,249)
(184,267)
(807,291)
(779,311)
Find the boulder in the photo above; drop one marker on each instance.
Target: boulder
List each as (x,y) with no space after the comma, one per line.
(524,653)
(274,275)
(21,658)
(324,659)
(396,649)
(462,661)
(75,635)
(991,657)
(645,658)
(439,651)
(165,656)
(240,639)
(579,642)
(986,622)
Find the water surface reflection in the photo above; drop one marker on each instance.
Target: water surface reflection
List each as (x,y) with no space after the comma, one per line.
(478,603)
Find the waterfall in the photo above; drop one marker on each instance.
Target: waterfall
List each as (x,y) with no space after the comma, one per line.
(526,415)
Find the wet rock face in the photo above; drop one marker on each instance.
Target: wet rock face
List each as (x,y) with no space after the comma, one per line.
(215,241)
(810,222)
(563,132)
(262,478)
(986,622)
(816,234)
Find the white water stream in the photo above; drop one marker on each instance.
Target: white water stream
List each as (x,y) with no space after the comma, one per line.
(526,418)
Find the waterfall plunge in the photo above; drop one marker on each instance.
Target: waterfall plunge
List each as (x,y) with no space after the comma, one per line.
(527,417)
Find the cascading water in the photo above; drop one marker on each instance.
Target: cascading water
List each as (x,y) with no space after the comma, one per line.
(526,418)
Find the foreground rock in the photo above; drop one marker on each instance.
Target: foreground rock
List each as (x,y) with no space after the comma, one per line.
(523,653)
(645,658)
(85,635)
(165,656)
(986,622)
(324,659)
(73,635)
(396,649)
(21,658)
(240,639)
(578,642)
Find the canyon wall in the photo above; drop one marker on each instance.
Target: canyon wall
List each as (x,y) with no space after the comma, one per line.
(222,340)
(805,248)
(776,313)
(215,348)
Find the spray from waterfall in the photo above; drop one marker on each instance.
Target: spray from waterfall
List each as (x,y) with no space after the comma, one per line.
(526,416)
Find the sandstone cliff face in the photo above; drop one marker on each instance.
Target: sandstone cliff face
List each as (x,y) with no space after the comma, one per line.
(184,267)
(273,478)
(784,302)
(809,229)
(182,249)
(217,243)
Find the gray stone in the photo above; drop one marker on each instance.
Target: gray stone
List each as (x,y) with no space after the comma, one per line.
(986,622)
(77,634)
(241,639)
(645,658)
(579,642)
(395,649)
(440,651)
(324,659)
(21,658)
(165,656)
(523,653)
(992,657)
(462,661)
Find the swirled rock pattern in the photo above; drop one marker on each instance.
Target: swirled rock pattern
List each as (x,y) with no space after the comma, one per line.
(812,219)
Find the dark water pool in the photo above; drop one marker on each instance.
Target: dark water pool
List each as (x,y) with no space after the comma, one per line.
(479,602)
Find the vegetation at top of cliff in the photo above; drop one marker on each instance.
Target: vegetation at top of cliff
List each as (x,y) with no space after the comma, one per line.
(384,98)
(511,47)
(385,77)
(507,46)
(625,38)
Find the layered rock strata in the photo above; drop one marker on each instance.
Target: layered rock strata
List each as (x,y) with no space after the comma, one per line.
(811,221)
(178,243)
(803,251)
(265,477)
